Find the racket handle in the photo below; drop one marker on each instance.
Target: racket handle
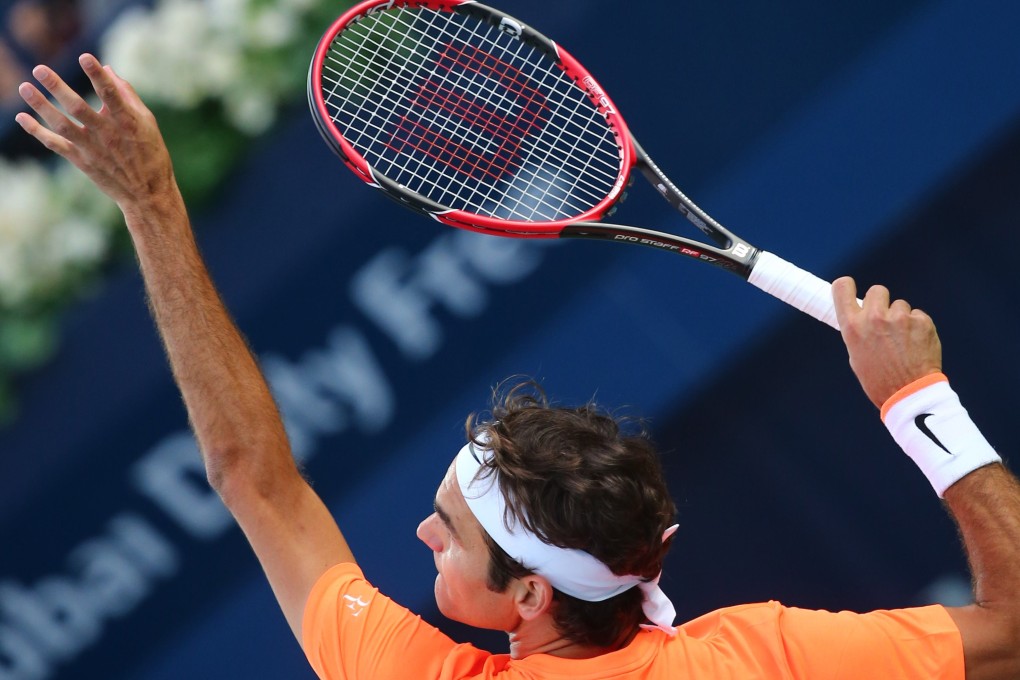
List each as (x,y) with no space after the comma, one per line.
(794,286)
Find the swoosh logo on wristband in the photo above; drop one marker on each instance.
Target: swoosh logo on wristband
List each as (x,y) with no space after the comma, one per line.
(926,431)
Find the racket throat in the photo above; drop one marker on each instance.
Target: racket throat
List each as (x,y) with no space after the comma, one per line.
(699,218)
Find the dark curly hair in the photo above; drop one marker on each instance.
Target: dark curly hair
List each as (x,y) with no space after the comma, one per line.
(576,477)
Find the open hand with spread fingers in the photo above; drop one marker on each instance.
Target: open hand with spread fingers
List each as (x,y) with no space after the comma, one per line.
(119,147)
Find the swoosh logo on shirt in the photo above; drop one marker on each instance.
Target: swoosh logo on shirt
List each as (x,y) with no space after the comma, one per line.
(926,431)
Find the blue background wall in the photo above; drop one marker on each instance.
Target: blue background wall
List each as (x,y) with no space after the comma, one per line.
(880,139)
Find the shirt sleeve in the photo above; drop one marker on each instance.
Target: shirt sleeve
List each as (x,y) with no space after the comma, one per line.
(918,643)
(350,631)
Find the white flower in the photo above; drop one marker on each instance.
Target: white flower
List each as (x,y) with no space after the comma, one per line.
(45,228)
(129,45)
(181,53)
(23,222)
(74,193)
(172,54)
(271,27)
(297,6)
(222,64)
(249,109)
(76,242)
(228,16)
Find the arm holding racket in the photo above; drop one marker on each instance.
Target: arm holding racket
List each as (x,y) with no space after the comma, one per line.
(239,431)
(896,354)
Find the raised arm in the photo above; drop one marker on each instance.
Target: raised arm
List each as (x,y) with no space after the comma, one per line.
(895,353)
(239,431)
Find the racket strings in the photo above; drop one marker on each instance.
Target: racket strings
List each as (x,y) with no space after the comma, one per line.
(476,120)
(518,186)
(466,186)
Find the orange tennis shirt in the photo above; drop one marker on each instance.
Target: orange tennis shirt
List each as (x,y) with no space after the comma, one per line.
(353,632)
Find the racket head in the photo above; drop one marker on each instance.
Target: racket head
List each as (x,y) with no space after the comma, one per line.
(467,115)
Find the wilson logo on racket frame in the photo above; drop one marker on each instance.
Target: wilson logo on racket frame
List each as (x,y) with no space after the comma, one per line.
(511,27)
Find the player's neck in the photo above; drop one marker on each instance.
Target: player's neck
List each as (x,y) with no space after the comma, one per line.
(543,638)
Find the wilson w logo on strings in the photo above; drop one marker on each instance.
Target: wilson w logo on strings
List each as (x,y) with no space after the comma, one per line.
(472,113)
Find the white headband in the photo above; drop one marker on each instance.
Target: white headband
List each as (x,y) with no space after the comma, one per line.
(570,571)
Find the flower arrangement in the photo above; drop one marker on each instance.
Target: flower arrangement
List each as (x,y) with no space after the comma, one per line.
(216,73)
(55,233)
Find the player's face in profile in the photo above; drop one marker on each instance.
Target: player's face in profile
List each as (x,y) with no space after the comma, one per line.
(462,559)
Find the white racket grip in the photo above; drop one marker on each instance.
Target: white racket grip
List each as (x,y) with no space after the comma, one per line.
(794,286)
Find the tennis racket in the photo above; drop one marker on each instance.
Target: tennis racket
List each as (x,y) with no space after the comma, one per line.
(471,117)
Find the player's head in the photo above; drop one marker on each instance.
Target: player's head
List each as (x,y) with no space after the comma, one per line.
(575,478)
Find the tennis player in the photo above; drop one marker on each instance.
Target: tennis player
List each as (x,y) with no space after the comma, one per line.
(550,524)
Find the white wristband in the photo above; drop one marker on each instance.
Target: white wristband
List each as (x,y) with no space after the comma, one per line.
(928,422)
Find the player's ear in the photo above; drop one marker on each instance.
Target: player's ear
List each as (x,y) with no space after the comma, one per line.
(533,596)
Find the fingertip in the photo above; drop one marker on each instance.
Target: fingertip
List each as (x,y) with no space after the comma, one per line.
(844,301)
(923,315)
(28,93)
(844,287)
(878,291)
(88,62)
(843,281)
(27,123)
